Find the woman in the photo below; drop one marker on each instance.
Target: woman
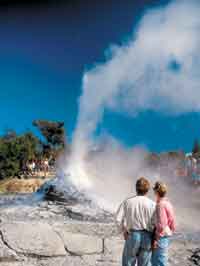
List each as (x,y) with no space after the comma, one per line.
(165,225)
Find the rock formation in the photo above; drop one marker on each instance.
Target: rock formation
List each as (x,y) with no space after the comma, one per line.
(73,232)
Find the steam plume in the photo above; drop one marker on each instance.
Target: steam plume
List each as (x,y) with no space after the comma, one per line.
(158,69)
(160,64)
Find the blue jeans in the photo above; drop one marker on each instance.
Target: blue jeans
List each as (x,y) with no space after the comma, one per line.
(160,255)
(137,248)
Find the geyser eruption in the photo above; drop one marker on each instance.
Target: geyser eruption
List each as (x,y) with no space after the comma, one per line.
(157,69)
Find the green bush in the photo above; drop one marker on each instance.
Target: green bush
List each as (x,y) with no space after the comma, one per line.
(17,150)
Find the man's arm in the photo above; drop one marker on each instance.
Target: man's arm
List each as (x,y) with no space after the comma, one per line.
(120,220)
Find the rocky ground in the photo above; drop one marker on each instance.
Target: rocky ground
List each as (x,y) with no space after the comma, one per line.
(34,231)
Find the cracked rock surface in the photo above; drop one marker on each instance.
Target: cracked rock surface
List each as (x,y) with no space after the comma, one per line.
(43,234)
(59,244)
(34,239)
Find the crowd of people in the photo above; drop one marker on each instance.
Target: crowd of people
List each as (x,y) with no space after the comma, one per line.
(147,226)
(36,167)
(193,169)
(187,166)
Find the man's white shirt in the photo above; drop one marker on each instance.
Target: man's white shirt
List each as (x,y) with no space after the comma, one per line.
(136,213)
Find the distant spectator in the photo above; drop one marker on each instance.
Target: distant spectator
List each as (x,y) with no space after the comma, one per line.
(189,166)
(46,167)
(30,167)
(196,173)
(33,167)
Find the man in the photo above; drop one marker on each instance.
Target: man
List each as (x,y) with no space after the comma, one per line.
(135,217)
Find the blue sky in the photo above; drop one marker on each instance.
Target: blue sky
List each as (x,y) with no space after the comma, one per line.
(44,51)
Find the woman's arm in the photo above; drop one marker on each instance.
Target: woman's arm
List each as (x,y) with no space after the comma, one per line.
(161,220)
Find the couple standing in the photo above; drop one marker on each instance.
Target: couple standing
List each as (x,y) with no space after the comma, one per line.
(146,226)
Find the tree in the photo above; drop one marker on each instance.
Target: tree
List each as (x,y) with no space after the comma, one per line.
(9,166)
(54,135)
(30,148)
(15,151)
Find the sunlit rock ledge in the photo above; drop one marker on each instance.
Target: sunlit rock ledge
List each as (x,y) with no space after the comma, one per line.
(74,232)
(76,243)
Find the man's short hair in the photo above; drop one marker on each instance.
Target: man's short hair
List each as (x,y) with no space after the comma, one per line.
(142,186)
(160,188)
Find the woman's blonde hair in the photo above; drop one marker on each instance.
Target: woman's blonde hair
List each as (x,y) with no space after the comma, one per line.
(160,188)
